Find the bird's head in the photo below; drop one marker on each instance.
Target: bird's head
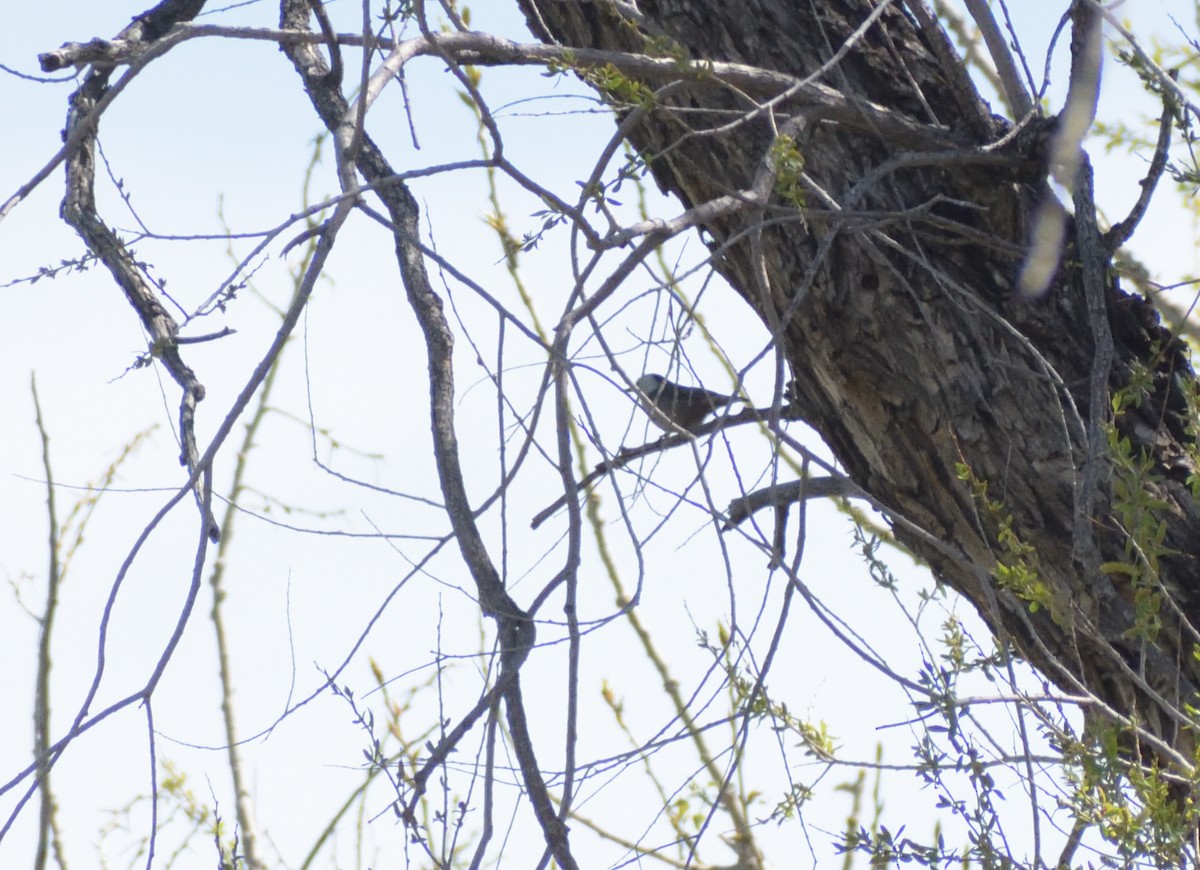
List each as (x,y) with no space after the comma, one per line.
(651,385)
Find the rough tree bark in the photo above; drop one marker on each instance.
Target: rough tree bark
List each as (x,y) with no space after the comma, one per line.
(893,294)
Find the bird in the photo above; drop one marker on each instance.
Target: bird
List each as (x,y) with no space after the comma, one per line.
(669,403)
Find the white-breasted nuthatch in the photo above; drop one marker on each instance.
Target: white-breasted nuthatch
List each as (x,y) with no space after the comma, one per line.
(668,402)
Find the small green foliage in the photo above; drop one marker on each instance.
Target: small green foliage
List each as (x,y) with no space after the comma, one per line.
(550,217)
(886,849)
(402,11)
(79,264)
(1141,381)
(1174,60)
(1140,511)
(789,807)
(869,547)
(618,87)
(954,643)
(664,46)
(1016,561)
(789,170)
(569,63)
(1191,393)
(614,84)
(748,695)
(752,699)
(1133,807)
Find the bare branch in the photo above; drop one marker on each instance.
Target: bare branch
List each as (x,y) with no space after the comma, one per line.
(1019,101)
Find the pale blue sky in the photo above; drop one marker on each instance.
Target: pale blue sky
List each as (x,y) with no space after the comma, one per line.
(222,128)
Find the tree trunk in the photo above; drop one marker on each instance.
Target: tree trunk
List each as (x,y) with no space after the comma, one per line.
(892,288)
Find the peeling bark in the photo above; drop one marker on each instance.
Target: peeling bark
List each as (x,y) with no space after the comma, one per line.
(892,290)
